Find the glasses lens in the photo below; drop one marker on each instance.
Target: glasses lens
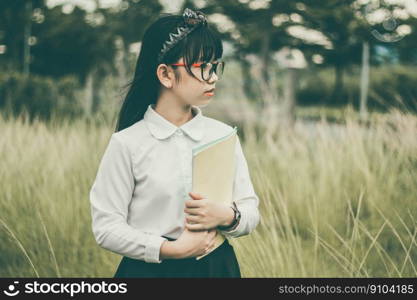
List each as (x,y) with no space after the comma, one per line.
(220,69)
(208,69)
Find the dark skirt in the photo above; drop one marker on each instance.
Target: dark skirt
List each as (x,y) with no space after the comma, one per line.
(220,263)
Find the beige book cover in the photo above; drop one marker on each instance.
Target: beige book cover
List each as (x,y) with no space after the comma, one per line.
(213,168)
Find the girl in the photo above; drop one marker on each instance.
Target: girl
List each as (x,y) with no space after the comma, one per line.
(141,203)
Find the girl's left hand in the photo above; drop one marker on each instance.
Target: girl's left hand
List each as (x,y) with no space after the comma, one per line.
(204,214)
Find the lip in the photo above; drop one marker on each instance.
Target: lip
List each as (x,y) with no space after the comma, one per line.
(210,91)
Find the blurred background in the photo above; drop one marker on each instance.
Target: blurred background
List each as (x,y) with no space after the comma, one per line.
(72,58)
(324,94)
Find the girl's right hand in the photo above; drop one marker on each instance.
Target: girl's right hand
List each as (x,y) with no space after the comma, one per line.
(195,243)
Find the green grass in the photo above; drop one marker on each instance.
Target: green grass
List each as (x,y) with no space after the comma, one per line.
(331,205)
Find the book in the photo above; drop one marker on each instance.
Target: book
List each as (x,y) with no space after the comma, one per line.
(213,170)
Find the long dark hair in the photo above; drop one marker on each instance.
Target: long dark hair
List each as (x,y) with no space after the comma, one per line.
(202,44)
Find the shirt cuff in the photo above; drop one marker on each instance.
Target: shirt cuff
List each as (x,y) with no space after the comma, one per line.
(153,249)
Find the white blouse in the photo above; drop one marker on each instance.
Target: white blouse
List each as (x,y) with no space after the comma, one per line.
(143,180)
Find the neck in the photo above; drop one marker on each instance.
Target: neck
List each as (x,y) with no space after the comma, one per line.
(169,107)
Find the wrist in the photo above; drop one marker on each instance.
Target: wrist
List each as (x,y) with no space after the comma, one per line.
(236,219)
(169,250)
(229,219)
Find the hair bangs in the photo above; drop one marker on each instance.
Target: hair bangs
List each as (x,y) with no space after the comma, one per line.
(202,45)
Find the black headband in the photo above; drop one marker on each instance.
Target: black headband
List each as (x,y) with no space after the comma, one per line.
(191,20)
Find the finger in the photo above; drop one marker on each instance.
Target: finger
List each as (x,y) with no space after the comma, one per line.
(211,238)
(210,247)
(194,226)
(192,204)
(192,219)
(191,211)
(196,196)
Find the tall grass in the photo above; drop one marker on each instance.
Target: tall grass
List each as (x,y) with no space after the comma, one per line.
(334,202)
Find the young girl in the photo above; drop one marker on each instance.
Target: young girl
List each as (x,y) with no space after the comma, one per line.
(141,203)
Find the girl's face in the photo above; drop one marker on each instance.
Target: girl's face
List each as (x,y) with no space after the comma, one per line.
(191,90)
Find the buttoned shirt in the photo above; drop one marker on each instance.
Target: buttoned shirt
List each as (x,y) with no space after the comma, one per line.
(143,180)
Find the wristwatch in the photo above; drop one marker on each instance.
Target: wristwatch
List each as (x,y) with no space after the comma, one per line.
(236,219)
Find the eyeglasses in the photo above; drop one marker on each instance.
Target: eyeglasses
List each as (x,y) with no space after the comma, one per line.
(207,69)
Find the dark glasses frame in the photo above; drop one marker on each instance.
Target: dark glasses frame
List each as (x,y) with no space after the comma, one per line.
(203,65)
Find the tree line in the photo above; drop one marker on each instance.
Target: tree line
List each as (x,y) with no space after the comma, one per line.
(57,42)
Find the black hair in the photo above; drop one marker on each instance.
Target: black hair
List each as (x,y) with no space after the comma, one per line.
(202,44)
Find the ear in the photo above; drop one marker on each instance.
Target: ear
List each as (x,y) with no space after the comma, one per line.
(165,75)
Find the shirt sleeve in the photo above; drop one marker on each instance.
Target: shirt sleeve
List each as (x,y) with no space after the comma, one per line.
(110,196)
(245,197)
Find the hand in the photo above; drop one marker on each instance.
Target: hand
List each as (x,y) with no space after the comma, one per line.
(191,244)
(204,214)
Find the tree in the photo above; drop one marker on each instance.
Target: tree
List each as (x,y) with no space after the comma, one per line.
(13,20)
(129,21)
(337,21)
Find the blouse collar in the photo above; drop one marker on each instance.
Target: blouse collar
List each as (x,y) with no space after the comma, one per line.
(161,128)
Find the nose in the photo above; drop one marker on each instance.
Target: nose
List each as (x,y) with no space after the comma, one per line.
(214,77)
